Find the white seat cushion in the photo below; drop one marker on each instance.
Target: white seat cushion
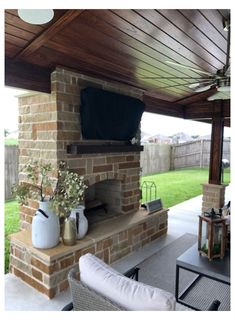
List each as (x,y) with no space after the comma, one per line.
(127,293)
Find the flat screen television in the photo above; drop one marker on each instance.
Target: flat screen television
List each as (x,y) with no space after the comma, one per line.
(106,115)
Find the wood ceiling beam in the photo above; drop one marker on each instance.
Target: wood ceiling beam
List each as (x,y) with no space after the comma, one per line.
(206,110)
(197,97)
(27,76)
(58,25)
(198,111)
(163,107)
(227,122)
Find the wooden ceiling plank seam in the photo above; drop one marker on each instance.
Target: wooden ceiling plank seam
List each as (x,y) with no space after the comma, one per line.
(55,44)
(169,28)
(112,41)
(46,52)
(12,11)
(20,33)
(192,32)
(14,20)
(159,52)
(215,18)
(92,74)
(112,80)
(168,42)
(58,25)
(9,43)
(111,55)
(153,51)
(167,54)
(11,49)
(225,13)
(43,56)
(15,40)
(202,23)
(94,59)
(146,54)
(106,50)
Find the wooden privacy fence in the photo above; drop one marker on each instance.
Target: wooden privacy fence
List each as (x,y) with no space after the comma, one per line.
(154,158)
(11,169)
(195,154)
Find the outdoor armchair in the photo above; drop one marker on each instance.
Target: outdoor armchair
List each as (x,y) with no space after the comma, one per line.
(101,288)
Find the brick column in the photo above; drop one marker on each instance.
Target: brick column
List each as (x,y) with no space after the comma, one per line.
(38,130)
(213,196)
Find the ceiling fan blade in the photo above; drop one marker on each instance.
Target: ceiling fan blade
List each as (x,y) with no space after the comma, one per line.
(224,89)
(172,78)
(194,85)
(203,88)
(219,96)
(198,84)
(189,68)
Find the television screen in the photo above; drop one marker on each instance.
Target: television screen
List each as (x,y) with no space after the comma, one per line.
(109,116)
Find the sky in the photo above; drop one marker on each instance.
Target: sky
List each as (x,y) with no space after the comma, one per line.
(151,123)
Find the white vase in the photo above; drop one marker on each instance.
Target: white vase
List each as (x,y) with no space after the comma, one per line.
(81,221)
(45,227)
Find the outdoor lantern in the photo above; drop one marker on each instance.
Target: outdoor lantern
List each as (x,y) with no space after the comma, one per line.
(211,235)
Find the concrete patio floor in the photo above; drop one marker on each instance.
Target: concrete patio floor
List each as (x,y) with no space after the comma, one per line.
(182,218)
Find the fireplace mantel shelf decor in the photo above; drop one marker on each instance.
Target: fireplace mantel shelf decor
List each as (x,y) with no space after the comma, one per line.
(102,148)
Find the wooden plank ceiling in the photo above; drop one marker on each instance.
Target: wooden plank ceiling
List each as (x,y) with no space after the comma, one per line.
(128,46)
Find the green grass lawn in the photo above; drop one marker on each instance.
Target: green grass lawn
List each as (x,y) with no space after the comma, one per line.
(177,186)
(11,142)
(12,225)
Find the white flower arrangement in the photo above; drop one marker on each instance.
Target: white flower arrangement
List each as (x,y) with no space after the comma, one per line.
(65,193)
(70,191)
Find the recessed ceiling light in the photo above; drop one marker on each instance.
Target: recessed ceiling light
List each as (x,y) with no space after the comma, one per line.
(36,16)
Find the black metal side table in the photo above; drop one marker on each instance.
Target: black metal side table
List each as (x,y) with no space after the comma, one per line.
(217,270)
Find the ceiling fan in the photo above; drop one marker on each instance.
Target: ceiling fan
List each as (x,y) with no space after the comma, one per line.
(219,80)
(206,80)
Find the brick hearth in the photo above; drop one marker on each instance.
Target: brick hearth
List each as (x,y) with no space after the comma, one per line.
(47,270)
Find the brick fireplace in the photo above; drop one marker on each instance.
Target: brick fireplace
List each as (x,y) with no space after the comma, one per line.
(49,128)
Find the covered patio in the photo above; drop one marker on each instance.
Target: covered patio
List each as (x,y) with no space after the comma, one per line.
(169,62)
(183,218)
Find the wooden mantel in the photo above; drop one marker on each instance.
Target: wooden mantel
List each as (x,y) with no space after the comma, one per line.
(102,148)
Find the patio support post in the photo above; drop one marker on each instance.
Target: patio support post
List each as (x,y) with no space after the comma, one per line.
(217,135)
(214,191)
